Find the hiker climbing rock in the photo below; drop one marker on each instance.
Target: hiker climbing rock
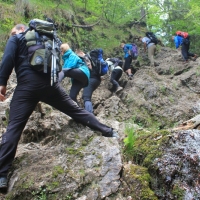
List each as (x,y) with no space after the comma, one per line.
(115,66)
(99,69)
(182,39)
(150,41)
(75,68)
(128,59)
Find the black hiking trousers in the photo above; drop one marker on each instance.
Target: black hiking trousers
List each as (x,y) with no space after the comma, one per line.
(31,89)
(185,50)
(115,76)
(87,93)
(127,64)
(79,81)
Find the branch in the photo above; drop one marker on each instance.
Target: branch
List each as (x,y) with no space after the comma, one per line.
(138,21)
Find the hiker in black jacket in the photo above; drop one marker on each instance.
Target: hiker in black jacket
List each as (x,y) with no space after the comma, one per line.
(115,66)
(32,87)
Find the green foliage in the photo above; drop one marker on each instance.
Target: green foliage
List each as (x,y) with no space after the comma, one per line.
(129,142)
(6,24)
(162,17)
(178,192)
(57,170)
(40,195)
(68,197)
(163,89)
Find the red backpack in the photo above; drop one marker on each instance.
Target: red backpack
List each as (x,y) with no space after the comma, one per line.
(182,34)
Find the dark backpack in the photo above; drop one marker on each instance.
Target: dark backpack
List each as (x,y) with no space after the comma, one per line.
(98,64)
(152,37)
(114,62)
(134,51)
(43,44)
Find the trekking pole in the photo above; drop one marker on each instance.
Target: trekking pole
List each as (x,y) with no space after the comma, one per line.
(52,66)
(55,63)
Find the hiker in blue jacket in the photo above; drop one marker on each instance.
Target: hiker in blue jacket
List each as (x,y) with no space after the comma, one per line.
(185,46)
(75,68)
(128,59)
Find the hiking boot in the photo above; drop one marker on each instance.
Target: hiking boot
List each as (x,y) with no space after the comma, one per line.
(119,89)
(130,77)
(111,134)
(194,57)
(115,134)
(3,182)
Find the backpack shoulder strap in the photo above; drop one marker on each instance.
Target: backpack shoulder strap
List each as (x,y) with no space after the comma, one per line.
(20,35)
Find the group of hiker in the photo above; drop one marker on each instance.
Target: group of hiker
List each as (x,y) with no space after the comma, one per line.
(34,86)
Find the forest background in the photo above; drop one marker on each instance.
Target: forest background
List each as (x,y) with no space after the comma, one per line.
(88,24)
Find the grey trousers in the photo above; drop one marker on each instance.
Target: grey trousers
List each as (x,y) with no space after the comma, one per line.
(151,53)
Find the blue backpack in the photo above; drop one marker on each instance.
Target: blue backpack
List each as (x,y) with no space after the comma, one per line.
(134,51)
(99,65)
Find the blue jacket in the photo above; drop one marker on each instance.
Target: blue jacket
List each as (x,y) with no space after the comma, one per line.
(71,60)
(178,40)
(126,48)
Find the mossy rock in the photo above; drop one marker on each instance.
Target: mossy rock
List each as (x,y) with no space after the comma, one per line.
(149,145)
(136,183)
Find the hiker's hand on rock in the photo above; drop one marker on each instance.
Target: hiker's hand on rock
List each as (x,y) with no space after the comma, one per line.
(2,92)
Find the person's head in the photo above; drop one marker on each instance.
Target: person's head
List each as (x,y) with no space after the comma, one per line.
(122,45)
(19,28)
(64,47)
(140,38)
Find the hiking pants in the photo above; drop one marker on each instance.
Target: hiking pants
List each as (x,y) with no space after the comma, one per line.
(87,93)
(31,89)
(115,76)
(79,81)
(185,50)
(127,64)
(151,53)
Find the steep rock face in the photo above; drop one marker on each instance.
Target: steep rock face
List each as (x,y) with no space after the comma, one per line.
(178,169)
(62,159)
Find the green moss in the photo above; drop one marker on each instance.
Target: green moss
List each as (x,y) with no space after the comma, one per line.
(82,172)
(77,152)
(148,146)
(54,184)
(57,170)
(140,180)
(84,143)
(178,192)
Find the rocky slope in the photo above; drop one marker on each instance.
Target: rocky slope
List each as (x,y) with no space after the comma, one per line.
(60,159)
